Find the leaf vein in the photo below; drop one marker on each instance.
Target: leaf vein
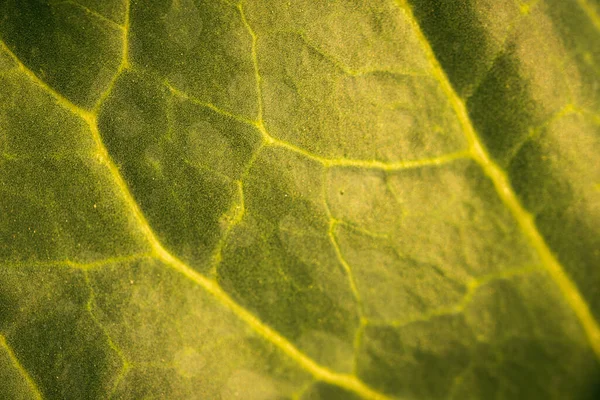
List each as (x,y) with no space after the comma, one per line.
(590,11)
(93,13)
(17,364)
(125,364)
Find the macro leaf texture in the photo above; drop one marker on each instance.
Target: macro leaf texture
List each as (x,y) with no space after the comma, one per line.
(300,199)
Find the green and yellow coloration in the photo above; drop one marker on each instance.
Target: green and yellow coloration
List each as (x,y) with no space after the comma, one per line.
(299,199)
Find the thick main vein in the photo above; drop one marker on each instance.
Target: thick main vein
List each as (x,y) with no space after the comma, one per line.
(591,13)
(16,363)
(502,184)
(320,372)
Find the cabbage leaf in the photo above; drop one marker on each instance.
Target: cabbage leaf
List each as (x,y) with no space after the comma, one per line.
(299,199)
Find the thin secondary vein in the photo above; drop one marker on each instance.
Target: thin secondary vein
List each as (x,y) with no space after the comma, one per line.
(508,196)
(333,222)
(535,132)
(257,76)
(235,215)
(346,381)
(472,287)
(210,106)
(349,382)
(95,14)
(272,141)
(125,364)
(343,380)
(17,364)
(340,255)
(77,264)
(123,65)
(399,165)
(366,164)
(343,67)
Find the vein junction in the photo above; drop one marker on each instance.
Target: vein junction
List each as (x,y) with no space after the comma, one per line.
(269,140)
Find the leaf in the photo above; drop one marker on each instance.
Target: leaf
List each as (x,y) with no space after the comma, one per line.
(299,199)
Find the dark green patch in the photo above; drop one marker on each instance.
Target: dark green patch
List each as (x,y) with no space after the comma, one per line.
(64,45)
(501,108)
(420,360)
(458,38)
(325,391)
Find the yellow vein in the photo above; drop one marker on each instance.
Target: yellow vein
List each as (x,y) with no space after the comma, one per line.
(344,263)
(32,385)
(365,164)
(343,380)
(233,217)
(590,11)
(348,270)
(254,61)
(363,231)
(346,381)
(210,106)
(535,132)
(77,264)
(399,165)
(123,65)
(59,98)
(93,13)
(473,286)
(509,198)
(125,364)
(271,141)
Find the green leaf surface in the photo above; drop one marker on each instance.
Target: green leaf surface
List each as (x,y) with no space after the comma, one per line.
(377,199)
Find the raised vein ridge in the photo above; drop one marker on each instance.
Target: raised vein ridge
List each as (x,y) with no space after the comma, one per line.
(507,195)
